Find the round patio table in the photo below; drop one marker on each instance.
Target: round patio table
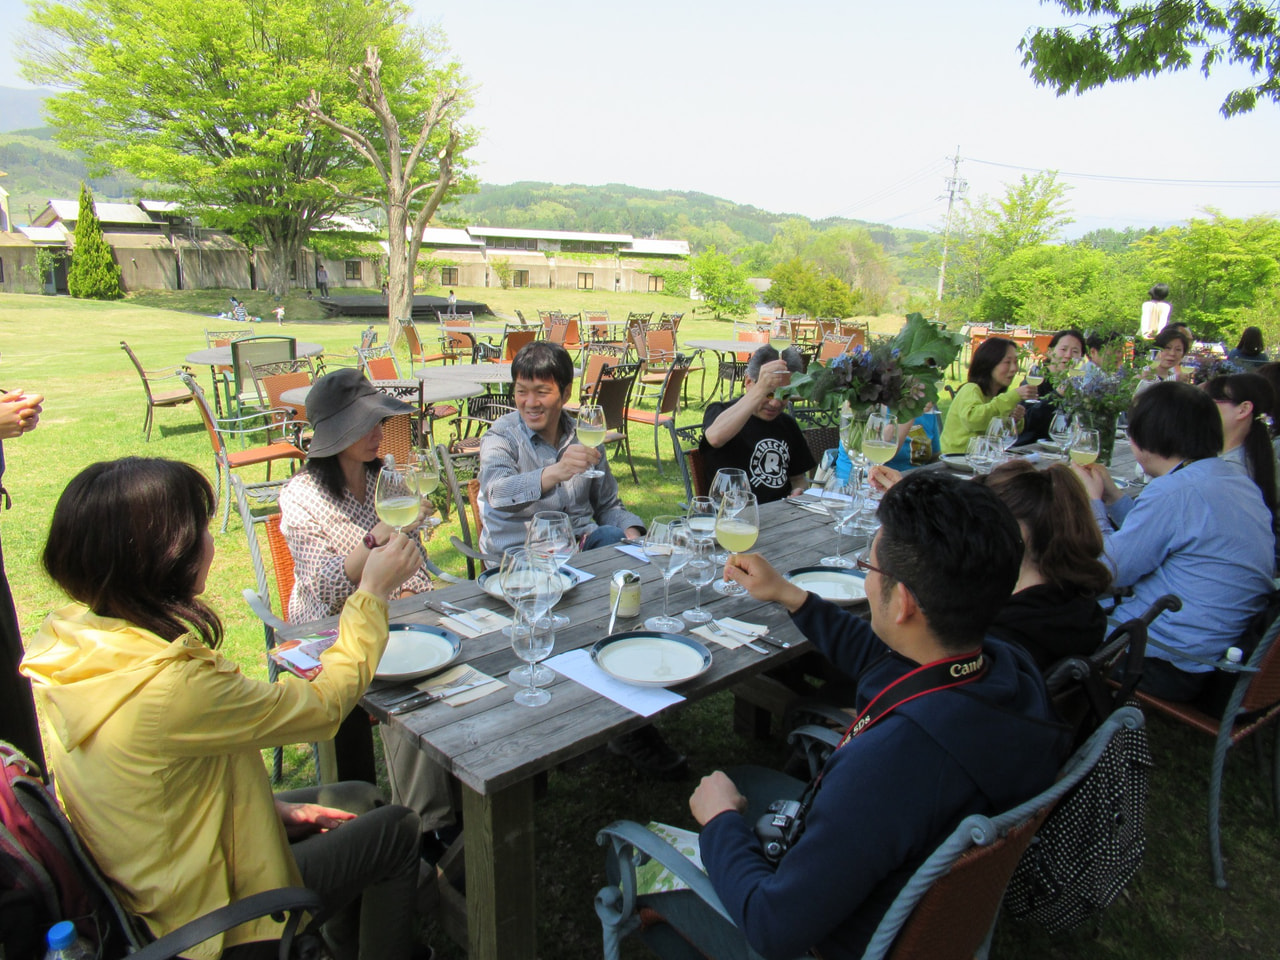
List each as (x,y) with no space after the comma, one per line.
(470,372)
(221,356)
(431,392)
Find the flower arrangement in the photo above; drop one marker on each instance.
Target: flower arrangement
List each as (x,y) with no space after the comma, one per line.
(901,372)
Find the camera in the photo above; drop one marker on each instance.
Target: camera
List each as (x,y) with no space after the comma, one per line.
(780,828)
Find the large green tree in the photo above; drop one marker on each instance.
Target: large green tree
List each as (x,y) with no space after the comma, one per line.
(850,255)
(800,287)
(93,273)
(411,153)
(722,283)
(204,95)
(1128,40)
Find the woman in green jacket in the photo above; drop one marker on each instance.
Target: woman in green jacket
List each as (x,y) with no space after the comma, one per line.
(988,394)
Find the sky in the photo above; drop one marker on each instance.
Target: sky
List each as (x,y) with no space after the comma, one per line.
(828,108)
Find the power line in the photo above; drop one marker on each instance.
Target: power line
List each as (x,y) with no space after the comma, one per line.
(929,170)
(1112,178)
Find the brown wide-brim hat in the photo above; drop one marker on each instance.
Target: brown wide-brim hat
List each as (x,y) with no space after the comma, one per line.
(343,406)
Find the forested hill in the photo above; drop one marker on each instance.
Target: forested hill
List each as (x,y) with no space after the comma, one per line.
(39,170)
(615,208)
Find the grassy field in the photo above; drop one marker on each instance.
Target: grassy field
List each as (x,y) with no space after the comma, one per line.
(69,351)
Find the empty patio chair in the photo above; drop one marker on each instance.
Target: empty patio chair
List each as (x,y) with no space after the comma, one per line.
(255,350)
(277,446)
(664,417)
(163,398)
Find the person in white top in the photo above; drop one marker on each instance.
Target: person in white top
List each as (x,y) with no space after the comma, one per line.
(1155,312)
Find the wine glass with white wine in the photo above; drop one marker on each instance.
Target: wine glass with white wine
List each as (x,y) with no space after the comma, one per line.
(726,481)
(879,441)
(395,503)
(1085,449)
(591,431)
(737,527)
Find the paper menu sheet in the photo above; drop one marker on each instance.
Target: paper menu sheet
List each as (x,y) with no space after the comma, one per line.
(301,657)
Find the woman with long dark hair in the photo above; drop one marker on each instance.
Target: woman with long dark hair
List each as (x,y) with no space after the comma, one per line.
(989,393)
(155,740)
(1244,401)
(1249,352)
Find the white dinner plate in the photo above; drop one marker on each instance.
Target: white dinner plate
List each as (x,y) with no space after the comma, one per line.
(489,583)
(840,586)
(956,461)
(650,659)
(415,650)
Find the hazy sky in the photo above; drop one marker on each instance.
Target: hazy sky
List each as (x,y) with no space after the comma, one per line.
(829,108)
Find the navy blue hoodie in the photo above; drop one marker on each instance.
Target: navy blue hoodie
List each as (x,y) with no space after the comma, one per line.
(888,797)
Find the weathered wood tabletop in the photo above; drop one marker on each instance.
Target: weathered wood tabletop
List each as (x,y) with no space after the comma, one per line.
(496,747)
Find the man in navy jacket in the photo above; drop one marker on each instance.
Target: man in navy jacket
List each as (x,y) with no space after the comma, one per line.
(970,731)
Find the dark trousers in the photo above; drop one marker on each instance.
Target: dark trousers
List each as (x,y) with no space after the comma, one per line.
(18,722)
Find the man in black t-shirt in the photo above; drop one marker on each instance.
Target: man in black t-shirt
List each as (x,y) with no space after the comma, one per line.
(755,434)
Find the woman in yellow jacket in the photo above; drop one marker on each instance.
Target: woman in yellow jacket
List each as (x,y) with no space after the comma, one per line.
(155,739)
(988,394)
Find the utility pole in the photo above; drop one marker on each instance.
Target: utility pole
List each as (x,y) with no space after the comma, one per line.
(955,187)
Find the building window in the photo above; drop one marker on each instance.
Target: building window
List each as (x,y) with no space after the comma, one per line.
(1,269)
(355,269)
(519,278)
(512,243)
(449,276)
(656,284)
(586,246)
(586,281)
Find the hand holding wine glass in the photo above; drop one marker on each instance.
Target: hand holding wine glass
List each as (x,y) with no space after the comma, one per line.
(395,503)
(727,480)
(1084,450)
(880,439)
(737,527)
(591,432)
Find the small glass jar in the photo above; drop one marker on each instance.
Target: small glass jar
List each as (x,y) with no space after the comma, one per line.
(629,605)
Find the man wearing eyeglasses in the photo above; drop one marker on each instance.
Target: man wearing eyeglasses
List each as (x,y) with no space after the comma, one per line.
(756,434)
(946,722)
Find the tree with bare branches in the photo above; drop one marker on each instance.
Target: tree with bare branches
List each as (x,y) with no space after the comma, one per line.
(413,142)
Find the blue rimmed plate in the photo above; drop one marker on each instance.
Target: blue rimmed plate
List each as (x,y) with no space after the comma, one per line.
(489,582)
(839,585)
(648,658)
(416,650)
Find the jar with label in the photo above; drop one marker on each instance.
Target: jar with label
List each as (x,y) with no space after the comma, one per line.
(629,605)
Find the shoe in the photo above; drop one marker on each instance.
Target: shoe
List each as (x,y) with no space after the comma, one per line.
(650,754)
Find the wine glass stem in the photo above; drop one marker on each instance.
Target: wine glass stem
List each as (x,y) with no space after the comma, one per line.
(725,575)
(697,597)
(666,595)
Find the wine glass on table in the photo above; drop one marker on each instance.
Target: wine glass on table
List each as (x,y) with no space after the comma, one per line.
(1084,450)
(699,571)
(1003,431)
(1060,431)
(737,527)
(533,643)
(981,454)
(667,551)
(702,518)
(532,586)
(395,503)
(551,536)
(842,498)
(591,432)
(727,480)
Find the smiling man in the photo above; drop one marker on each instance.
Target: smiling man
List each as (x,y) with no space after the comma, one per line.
(756,434)
(531,460)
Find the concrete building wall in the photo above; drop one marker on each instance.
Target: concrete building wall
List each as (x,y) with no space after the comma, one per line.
(214,262)
(17,261)
(146,262)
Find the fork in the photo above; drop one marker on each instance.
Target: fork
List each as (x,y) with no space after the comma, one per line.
(720,631)
(466,677)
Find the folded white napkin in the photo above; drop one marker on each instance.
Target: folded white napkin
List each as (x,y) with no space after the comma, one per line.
(485,685)
(739,632)
(632,550)
(489,620)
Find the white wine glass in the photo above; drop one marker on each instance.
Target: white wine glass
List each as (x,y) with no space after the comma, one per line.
(531,585)
(1003,431)
(737,527)
(726,480)
(1035,377)
(702,518)
(880,439)
(550,535)
(668,555)
(699,570)
(591,431)
(842,498)
(981,454)
(394,502)
(1060,431)
(1084,450)
(532,642)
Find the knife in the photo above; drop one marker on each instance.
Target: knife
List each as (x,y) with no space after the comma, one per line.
(424,698)
(463,616)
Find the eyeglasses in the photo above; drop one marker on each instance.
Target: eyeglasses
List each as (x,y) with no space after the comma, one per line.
(865,565)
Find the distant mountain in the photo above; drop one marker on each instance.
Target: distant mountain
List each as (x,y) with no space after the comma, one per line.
(21,108)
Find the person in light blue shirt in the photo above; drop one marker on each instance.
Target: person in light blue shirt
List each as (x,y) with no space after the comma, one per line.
(1200,530)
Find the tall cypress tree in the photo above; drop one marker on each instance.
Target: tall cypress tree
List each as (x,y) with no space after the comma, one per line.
(93,275)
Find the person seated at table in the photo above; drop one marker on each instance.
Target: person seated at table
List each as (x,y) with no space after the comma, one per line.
(531,460)
(1271,373)
(1106,354)
(1053,612)
(1249,353)
(756,434)
(1066,347)
(1244,400)
(989,393)
(154,738)
(978,736)
(1171,345)
(1200,530)
(328,518)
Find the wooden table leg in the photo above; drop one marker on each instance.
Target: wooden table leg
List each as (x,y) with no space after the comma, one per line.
(501,887)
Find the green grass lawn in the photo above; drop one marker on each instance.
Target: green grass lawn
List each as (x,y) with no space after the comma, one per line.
(69,351)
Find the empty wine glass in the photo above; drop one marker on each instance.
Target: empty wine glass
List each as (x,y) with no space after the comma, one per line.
(550,535)
(1060,431)
(532,585)
(981,454)
(1003,431)
(702,518)
(668,553)
(727,480)
(699,570)
(841,498)
(395,503)
(591,431)
(532,642)
(737,527)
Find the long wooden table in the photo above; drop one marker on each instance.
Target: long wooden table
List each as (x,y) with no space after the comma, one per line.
(496,747)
